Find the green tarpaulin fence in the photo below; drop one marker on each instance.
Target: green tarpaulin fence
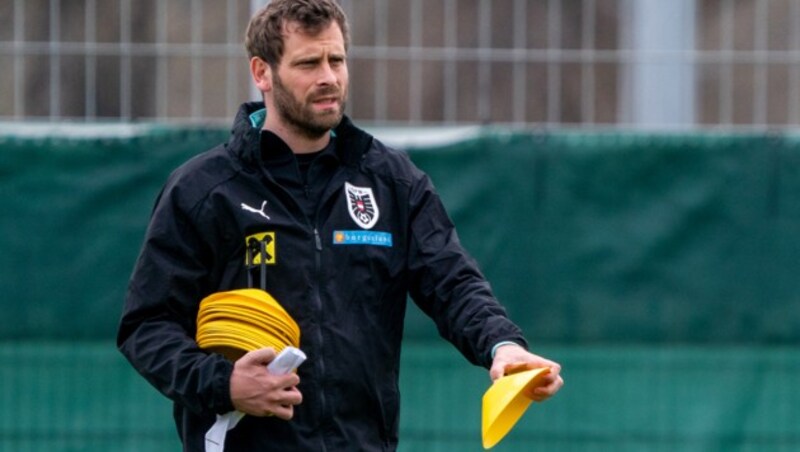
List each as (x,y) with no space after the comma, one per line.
(83,396)
(661,270)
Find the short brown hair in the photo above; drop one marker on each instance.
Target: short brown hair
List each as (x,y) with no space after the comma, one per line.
(264,36)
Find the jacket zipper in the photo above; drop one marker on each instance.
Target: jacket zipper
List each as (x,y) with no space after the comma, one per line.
(317,298)
(320,357)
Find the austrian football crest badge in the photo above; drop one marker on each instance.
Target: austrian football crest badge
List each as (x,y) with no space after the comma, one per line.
(361,205)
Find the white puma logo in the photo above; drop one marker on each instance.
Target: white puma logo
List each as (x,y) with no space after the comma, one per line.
(258,211)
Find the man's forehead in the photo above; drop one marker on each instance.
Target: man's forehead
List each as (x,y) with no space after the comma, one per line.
(298,29)
(301,40)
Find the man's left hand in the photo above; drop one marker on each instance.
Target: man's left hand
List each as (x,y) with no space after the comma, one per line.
(512,357)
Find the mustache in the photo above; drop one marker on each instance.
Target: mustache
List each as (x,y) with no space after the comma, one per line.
(329,91)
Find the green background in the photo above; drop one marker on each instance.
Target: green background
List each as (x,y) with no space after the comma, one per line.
(660,270)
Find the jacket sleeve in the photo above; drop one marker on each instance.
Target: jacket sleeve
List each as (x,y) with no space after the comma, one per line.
(157,328)
(447,284)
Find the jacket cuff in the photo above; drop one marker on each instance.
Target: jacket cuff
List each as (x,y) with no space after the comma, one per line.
(221,400)
(514,339)
(500,344)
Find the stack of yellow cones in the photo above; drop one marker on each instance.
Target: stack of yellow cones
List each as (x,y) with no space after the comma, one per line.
(239,321)
(505,402)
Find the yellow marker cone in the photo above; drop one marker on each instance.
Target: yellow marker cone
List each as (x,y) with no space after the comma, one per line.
(505,402)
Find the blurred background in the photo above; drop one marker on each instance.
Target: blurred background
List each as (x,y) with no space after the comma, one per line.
(626,172)
(589,63)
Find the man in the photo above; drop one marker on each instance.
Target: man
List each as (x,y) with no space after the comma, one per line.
(350,227)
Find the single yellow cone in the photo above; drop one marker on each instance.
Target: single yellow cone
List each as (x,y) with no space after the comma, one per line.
(505,402)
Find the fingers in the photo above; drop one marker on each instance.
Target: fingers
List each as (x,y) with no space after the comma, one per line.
(547,386)
(280,401)
(268,395)
(519,367)
(501,368)
(287,381)
(496,371)
(283,405)
(512,359)
(262,356)
(256,391)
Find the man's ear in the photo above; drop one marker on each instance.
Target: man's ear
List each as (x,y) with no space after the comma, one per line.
(261,73)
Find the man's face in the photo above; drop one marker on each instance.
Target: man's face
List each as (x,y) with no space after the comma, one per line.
(310,83)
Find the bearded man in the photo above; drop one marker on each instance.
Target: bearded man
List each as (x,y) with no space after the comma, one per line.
(353,228)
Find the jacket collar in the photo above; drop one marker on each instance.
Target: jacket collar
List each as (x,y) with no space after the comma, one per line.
(245,141)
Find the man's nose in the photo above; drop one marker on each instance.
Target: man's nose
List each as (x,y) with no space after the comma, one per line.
(327,75)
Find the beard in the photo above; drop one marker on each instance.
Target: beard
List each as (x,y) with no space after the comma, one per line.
(300,115)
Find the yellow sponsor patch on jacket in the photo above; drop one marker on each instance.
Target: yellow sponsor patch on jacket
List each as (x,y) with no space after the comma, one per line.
(260,246)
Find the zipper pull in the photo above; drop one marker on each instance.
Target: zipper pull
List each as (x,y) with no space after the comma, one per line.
(317,240)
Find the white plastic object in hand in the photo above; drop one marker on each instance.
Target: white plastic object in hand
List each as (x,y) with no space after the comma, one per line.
(287,360)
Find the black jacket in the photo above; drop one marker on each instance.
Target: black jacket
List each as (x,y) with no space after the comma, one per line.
(379,233)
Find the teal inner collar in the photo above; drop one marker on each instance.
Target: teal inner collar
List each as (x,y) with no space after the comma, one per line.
(258,117)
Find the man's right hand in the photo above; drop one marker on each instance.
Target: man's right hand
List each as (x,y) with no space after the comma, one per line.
(257,392)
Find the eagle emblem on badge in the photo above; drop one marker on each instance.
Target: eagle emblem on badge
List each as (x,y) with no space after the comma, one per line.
(361,205)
